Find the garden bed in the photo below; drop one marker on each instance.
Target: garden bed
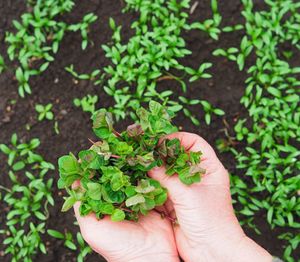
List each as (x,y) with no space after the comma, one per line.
(224,90)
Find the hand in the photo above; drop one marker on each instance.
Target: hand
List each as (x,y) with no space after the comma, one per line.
(149,239)
(208,229)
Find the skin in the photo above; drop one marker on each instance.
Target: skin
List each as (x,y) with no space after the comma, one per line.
(207,229)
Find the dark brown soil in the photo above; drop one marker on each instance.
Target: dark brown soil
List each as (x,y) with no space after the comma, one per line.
(57,86)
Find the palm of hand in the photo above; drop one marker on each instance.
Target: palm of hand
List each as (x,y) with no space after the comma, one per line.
(149,239)
(204,211)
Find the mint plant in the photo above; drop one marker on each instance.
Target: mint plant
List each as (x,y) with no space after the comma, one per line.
(113,172)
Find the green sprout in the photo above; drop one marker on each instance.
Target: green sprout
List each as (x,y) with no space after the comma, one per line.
(44,112)
(69,242)
(2,64)
(26,201)
(147,58)
(84,28)
(87,103)
(38,36)
(210,26)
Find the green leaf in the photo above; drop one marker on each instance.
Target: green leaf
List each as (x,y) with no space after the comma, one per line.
(118,215)
(107,208)
(112,24)
(134,200)
(69,202)
(39,108)
(69,244)
(68,164)
(155,107)
(40,215)
(55,234)
(18,166)
(5,149)
(94,190)
(273,91)
(219,112)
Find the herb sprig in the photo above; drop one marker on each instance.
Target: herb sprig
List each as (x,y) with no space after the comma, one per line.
(113,172)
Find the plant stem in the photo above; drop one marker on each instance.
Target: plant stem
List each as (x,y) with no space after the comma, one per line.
(116,133)
(5,188)
(165,215)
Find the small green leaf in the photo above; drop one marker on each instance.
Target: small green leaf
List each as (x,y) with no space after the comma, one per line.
(18,166)
(55,234)
(118,215)
(137,199)
(69,202)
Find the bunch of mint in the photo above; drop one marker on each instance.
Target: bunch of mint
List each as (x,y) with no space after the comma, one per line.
(113,171)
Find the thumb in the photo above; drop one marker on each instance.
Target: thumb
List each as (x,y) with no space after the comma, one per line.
(188,197)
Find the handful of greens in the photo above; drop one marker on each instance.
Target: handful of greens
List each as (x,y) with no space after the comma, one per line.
(113,172)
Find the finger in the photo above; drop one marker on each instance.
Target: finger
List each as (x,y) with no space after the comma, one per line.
(89,223)
(76,184)
(215,171)
(193,142)
(180,194)
(169,206)
(102,234)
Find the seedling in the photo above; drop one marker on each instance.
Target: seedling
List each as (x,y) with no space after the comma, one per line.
(2,64)
(113,172)
(67,238)
(84,28)
(56,128)
(148,57)
(38,36)
(199,73)
(206,106)
(210,26)
(83,247)
(87,103)
(44,112)
(230,53)
(26,201)
(293,243)
(69,242)
(95,76)
(17,151)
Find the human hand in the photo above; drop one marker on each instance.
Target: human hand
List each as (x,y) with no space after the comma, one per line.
(208,229)
(149,239)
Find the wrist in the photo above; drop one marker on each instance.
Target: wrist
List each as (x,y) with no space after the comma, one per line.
(241,249)
(227,244)
(248,250)
(149,258)
(157,258)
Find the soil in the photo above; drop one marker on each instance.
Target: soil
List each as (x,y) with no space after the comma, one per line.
(57,86)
